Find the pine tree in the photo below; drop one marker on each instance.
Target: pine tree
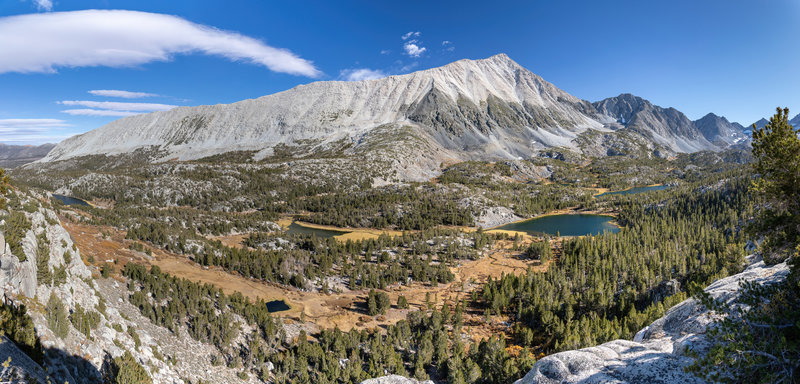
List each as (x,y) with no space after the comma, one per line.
(5,184)
(126,370)
(776,148)
(402,302)
(56,315)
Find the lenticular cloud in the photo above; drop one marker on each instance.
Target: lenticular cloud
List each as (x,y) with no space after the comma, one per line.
(45,42)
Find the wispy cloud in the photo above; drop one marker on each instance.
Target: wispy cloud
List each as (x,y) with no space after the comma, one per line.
(357,74)
(447,45)
(385,51)
(99,112)
(408,67)
(119,106)
(32,123)
(112,108)
(26,131)
(116,38)
(410,35)
(121,94)
(412,46)
(44,5)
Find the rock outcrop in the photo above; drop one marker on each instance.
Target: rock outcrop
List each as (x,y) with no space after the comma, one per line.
(658,353)
(16,277)
(394,379)
(17,367)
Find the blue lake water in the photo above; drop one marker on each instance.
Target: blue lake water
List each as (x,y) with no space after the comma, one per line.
(567,225)
(297,229)
(68,200)
(635,190)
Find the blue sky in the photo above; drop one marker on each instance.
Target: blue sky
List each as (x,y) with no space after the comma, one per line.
(735,58)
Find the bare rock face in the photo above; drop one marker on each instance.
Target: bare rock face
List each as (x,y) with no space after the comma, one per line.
(16,277)
(394,379)
(77,358)
(658,352)
(20,366)
(496,216)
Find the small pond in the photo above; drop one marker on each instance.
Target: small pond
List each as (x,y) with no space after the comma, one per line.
(635,190)
(567,225)
(69,200)
(277,306)
(297,229)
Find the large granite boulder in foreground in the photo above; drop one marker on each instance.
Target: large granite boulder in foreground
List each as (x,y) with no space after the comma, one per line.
(658,352)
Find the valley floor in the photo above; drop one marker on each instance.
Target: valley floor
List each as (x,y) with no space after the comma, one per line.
(319,311)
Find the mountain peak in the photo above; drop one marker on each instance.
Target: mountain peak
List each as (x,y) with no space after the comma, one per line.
(713,117)
(718,130)
(499,63)
(501,58)
(490,108)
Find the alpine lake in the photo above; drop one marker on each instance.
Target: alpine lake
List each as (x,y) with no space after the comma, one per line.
(575,224)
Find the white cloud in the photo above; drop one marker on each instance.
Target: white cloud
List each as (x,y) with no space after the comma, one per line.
(118,38)
(44,5)
(122,94)
(385,52)
(31,130)
(414,50)
(410,35)
(99,112)
(412,46)
(361,74)
(119,106)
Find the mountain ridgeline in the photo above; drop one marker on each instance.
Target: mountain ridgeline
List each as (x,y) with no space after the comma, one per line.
(15,155)
(488,109)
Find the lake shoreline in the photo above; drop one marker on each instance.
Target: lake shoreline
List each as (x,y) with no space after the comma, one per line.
(563,211)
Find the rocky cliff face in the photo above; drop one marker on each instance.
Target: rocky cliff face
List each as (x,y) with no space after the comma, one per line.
(658,353)
(77,358)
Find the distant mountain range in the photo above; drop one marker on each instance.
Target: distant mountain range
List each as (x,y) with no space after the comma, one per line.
(471,109)
(15,155)
(748,130)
